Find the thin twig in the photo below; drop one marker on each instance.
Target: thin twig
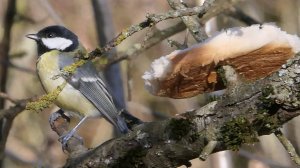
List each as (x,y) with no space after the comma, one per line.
(152,40)
(23,18)
(13,111)
(57,19)
(17,67)
(6,96)
(288,147)
(20,54)
(151,20)
(207,150)
(205,10)
(176,44)
(22,69)
(241,16)
(192,23)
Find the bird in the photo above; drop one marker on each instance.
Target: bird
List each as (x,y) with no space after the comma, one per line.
(85,93)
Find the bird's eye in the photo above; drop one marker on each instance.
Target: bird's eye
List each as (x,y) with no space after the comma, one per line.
(50,35)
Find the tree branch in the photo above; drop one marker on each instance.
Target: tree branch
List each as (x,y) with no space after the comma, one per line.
(53,14)
(155,38)
(158,36)
(7,97)
(153,19)
(197,31)
(13,111)
(288,146)
(245,111)
(205,10)
(5,124)
(241,16)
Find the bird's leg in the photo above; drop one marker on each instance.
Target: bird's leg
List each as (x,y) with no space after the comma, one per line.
(65,138)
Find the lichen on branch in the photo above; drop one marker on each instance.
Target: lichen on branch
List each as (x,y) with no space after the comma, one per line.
(243,113)
(46,100)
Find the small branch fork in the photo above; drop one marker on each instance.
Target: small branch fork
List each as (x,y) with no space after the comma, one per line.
(192,23)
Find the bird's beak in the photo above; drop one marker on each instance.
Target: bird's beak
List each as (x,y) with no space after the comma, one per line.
(33,37)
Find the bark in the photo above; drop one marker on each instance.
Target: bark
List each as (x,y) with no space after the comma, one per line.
(5,124)
(244,112)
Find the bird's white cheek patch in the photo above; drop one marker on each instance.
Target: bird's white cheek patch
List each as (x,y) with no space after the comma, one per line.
(58,43)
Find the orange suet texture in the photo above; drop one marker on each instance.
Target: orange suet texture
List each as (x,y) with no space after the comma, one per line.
(194,71)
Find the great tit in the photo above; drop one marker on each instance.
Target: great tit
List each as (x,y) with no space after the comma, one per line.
(85,93)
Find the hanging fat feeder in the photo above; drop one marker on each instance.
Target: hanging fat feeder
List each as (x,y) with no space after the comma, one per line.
(254,52)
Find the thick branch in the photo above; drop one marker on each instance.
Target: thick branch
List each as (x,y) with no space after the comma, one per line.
(5,44)
(4,57)
(246,111)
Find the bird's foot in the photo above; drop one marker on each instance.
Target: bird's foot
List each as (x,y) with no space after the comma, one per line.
(65,138)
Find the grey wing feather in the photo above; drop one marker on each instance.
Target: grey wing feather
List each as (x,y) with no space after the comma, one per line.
(94,89)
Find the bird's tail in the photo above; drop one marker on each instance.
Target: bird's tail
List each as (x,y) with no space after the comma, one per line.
(121,124)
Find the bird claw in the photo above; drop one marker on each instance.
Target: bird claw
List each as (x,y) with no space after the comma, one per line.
(65,138)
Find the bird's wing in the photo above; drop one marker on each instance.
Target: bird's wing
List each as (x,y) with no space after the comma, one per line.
(86,80)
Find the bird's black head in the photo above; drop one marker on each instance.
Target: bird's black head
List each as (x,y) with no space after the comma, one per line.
(55,38)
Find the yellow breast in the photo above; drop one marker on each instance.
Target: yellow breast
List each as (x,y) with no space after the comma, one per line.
(69,99)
